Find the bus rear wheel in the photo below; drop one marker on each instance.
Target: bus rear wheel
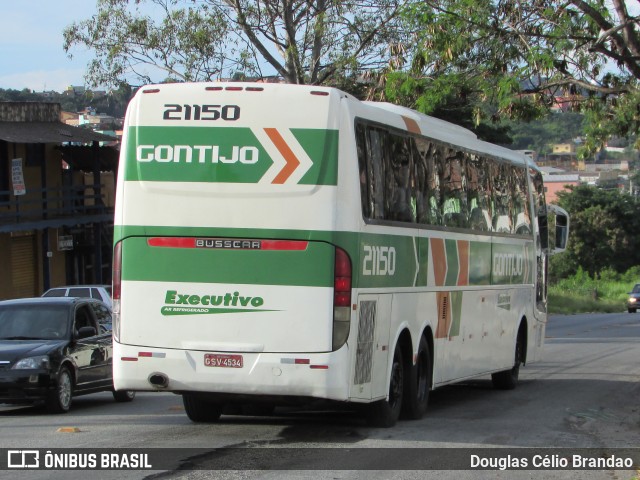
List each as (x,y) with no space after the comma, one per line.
(201,410)
(385,413)
(416,394)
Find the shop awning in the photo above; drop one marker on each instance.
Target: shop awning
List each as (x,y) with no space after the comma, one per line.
(49,132)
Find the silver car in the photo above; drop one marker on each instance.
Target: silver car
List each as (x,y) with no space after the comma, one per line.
(100,292)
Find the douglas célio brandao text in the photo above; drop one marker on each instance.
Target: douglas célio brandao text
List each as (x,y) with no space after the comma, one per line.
(550,462)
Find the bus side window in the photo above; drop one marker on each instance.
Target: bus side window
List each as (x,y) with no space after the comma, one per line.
(399,184)
(363,171)
(478,193)
(428,173)
(521,217)
(501,198)
(375,157)
(454,206)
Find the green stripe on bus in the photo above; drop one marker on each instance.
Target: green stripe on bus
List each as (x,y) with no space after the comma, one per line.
(386,261)
(456,313)
(453,264)
(489,264)
(510,264)
(221,155)
(313,267)
(322,148)
(423,262)
(480,263)
(192,154)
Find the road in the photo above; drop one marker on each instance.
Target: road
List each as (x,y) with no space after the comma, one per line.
(583,394)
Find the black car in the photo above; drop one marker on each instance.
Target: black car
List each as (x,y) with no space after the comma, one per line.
(54,348)
(633,302)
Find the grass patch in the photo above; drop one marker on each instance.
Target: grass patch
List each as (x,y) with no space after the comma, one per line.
(583,294)
(567,303)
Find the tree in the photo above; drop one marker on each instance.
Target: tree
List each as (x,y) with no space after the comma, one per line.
(604,229)
(521,55)
(301,41)
(24,95)
(541,134)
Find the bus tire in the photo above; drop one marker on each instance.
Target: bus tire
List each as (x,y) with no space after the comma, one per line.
(123,395)
(199,410)
(508,379)
(258,409)
(418,384)
(385,413)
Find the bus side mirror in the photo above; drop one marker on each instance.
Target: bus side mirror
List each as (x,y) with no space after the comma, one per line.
(562,229)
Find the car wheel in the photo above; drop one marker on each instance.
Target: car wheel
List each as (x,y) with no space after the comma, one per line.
(123,395)
(632,310)
(59,399)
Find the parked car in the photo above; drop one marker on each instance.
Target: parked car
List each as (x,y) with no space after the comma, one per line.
(54,348)
(101,292)
(633,302)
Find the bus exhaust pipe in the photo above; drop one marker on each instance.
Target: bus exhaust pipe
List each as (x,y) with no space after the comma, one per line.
(159,380)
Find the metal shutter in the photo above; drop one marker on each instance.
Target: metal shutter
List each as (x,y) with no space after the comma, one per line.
(23,266)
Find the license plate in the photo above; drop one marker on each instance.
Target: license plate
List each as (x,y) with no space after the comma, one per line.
(222,360)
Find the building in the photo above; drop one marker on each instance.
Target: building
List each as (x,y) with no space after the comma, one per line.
(557,180)
(56,214)
(556,183)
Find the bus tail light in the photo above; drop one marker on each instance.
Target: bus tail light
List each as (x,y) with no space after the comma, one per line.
(116,290)
(341,298)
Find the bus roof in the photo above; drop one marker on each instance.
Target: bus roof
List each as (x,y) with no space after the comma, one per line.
(412,120)
(444,131)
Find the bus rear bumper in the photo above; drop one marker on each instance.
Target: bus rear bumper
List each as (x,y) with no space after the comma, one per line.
(315,375)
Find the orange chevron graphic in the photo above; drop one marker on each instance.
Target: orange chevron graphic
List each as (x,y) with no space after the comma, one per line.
(439,257)
(285,151)
(411,124)
(463,262)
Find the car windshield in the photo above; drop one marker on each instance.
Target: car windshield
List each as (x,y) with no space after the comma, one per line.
(55,292)
(33,322)
(636,289)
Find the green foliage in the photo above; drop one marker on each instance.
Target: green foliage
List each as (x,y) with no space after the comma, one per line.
(519,56)
(316,41)
(24,95)
(604,232)
(581,292)
(114,103)
(187,43)
(449,97)
(619,117)
(567,303)
(540,134)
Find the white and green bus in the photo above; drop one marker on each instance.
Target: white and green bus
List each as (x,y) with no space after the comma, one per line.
(284,243)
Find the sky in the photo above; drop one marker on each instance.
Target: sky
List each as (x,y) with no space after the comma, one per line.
(31,53)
